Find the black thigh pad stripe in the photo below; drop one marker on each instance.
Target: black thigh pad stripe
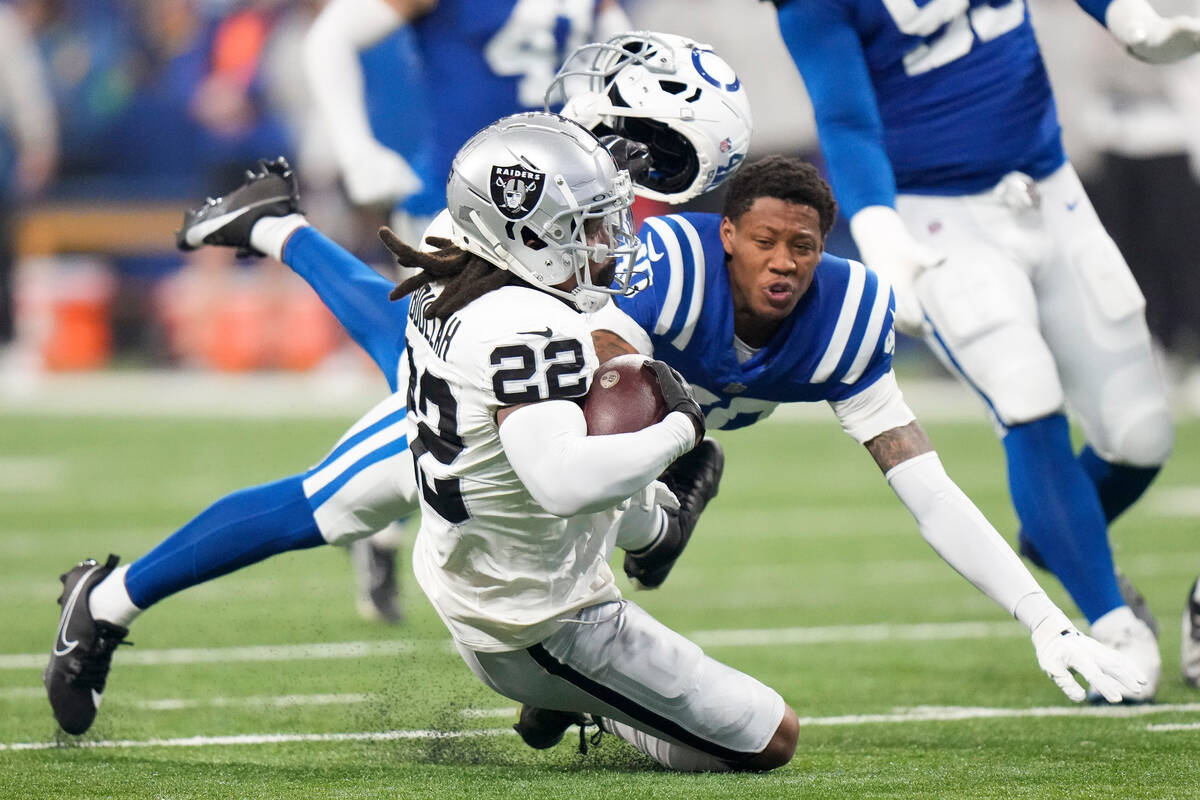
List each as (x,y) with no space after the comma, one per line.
(631,707)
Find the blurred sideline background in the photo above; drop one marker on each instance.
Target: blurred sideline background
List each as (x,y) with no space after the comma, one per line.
(116,115)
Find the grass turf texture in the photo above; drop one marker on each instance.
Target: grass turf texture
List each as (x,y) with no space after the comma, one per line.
(804,533)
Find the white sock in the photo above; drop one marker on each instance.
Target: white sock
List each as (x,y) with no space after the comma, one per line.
(672,756)
(110,601)
(270,234)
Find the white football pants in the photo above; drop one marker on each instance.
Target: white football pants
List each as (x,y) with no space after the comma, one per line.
(616,661)
(1035,306)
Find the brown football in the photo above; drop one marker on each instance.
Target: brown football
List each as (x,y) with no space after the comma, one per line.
(623,397)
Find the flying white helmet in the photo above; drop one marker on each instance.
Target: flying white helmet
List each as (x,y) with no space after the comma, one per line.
(539,195)
(670,93)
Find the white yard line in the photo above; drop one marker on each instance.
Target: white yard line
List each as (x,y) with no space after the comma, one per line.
(1174,501)
(916,714)
(31,473)
(212,655)
(716,638)
(831,634)
(263,738)
(181,703)
(1168,727)
(956,713)
(254,701)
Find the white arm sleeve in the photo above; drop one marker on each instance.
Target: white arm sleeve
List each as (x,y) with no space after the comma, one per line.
(963,537)
(25,99)
(611,318)
(569,472)
(878,408)
(372,172)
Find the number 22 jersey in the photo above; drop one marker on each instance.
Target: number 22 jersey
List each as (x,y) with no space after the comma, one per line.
(499,569)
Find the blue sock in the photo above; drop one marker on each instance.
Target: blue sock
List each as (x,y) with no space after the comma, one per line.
(237,530)
(1119,485)
(1060,513)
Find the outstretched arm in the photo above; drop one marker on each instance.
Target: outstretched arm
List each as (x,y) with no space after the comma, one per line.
(962,536)
(372,172)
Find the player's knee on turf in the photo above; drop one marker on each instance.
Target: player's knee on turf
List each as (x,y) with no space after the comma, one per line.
(779,750)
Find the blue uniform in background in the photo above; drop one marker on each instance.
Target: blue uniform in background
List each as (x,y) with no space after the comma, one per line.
(482,60)
(947,103)
(954,109)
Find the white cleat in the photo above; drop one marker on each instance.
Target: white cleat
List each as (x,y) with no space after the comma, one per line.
(1133,638)
(1189,648)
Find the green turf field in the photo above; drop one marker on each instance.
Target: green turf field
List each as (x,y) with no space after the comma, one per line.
(806,572)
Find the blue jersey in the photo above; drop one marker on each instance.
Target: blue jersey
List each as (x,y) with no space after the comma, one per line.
(941,97)
(837,341)
(483,60)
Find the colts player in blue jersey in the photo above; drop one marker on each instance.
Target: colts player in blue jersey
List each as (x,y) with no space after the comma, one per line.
(943,145)
(748,307)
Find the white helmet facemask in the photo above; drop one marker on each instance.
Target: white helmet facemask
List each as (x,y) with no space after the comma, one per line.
(540,196)
(673,95)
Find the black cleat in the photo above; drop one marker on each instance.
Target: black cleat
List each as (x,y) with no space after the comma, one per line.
(693,478)
(271,191)
(375,576)
(542,728)
(1189,651)
(83,650)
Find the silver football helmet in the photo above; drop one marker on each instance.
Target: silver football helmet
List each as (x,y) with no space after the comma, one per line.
(670,93)
(539,195)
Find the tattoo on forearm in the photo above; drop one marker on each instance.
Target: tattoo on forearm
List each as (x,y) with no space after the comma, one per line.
(609,345)
(897,445)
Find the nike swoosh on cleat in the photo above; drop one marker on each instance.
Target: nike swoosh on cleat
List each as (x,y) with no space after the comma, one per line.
(96,698)
(61,645)
(198,233)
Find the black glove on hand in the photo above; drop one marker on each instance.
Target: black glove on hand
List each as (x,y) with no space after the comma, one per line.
(677,394)
(630,155)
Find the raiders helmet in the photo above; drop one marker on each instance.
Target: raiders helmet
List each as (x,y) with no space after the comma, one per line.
(539,195)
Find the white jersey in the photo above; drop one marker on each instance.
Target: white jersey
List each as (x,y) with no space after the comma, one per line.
(500,570)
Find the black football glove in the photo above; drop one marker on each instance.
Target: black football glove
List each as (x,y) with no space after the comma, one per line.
(677,394)
(630,155)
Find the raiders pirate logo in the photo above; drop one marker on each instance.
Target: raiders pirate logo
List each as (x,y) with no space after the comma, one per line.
(516,190)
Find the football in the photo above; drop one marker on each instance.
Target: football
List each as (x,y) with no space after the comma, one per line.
(624,397)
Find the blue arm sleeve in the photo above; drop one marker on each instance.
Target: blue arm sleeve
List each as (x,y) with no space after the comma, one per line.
(1096,8)
(356,294)
(825,48)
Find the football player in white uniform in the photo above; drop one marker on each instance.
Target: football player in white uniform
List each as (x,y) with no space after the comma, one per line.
(478,60)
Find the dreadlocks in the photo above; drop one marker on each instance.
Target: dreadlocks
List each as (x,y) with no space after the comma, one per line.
(467,276)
